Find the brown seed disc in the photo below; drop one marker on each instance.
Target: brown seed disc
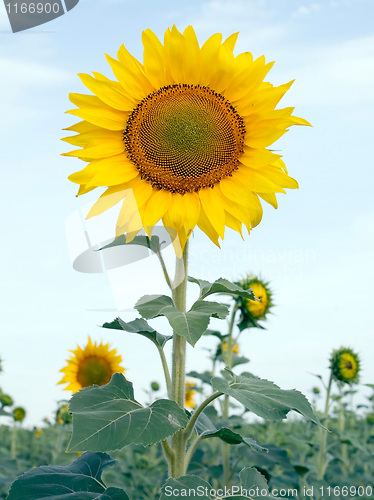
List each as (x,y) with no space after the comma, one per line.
(183,138)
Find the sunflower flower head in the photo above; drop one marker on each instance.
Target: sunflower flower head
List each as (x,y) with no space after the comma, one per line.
(189,397)
(63,416)
(345,365)
(19,414)
(93,365)
(254,310)
(182,137)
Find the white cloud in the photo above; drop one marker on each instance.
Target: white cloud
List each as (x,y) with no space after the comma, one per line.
(303,10)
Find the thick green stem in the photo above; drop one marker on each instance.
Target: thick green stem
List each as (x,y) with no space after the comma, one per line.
(177,463)
(322,451)
(226,404)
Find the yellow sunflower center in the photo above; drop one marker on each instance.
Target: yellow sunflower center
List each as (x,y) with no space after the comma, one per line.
(94,370)
(183,138)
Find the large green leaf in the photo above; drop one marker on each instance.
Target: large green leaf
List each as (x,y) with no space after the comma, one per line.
(79,481)
(263,397)
(192,324)
(141,327)
(252,485)
(151,306)
(221,286)
(109,418)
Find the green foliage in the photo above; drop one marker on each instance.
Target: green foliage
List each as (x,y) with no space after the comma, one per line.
(79,481)
(263,397)
(152,244)
(192,324)
(141,327)
(222,286)
(108,417)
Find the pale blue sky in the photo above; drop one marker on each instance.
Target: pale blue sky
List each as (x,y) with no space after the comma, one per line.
(316,249)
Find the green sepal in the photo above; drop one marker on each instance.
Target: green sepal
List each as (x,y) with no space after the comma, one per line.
(263,397)
(191,324)
(222,286)
(108,418)
(141,327)
(80,480)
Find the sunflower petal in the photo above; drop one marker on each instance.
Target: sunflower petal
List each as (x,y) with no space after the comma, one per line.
(211,201)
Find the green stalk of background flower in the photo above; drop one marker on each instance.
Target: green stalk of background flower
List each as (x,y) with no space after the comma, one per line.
(226,405)
(323,432)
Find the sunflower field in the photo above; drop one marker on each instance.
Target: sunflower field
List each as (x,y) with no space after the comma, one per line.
(183,139)
(295,458)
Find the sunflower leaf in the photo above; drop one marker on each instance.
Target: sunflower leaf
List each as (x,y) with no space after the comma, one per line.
(263,397)
(80,480)
(108,418)
(221,286)
(139,326)
(252,485)
(192,324)
(206,428)
(152,244)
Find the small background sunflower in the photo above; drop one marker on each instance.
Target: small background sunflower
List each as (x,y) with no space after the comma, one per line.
(254,310)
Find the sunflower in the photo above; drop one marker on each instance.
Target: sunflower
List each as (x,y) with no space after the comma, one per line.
(189,399)
(345,365)
(95,364)
(254,310)
(182,137)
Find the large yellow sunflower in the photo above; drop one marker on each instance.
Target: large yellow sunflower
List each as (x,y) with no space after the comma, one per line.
(95,364)
(182,137)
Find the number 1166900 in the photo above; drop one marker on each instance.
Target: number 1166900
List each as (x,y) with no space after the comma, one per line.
(33,8)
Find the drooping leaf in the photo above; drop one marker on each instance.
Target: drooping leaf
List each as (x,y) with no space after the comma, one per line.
(221,286)
(141,327)
(153,243)
(192,324)
(215,333)
(231,437)
(263,397)
(79,481)
(109,418)
(206,429)
(205,377)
